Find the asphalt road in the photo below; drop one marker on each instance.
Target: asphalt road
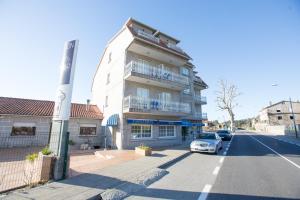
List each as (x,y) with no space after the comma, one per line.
(253,167)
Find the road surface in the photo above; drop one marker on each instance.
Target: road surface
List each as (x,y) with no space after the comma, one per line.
(249,167)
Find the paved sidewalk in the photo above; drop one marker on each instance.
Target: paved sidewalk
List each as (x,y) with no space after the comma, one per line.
(89,185)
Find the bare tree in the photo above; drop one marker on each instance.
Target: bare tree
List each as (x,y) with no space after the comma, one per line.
(226,99)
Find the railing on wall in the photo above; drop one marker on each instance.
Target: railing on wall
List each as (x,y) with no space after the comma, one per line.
(200,99)
(140,104)
(155,72)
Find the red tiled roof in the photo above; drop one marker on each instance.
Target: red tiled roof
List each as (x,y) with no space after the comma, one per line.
(32,107)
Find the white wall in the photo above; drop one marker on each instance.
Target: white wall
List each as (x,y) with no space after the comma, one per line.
(114,90)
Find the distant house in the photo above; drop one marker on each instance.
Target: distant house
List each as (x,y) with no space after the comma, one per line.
(27,122)
(280,113)
(278,118)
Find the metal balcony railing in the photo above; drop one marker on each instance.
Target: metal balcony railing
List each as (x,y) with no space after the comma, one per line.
(200,99)
(148,36)
(155,72)
(200,115)
(175,47)
(140,104)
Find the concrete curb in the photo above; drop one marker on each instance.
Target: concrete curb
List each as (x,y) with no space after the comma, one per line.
(138,183)
(173,161)
(142,181)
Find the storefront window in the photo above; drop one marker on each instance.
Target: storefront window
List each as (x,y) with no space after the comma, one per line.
(141,131)
(166,131)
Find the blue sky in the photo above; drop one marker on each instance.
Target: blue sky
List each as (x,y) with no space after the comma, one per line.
(252,44)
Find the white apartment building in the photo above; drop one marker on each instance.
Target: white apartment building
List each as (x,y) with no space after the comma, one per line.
(147,88)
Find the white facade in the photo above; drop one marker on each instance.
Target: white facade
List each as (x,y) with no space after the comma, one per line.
(145,78)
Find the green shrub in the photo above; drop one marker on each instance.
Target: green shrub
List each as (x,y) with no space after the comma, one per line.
(71,142)
(31,157)
(144,147)
(46,151)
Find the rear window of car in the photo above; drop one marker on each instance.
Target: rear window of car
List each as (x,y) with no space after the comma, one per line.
(224,132)
(206,136)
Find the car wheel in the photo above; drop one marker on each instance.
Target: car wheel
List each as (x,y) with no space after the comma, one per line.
(216,151)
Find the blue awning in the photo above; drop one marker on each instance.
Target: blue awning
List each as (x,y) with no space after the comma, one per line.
(186,124)
(113,120)
(198,124)
(153,122)
(190,124)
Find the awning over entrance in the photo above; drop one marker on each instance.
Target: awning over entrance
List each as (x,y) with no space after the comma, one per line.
(162,122)
(153,122)
(113,120)
(190,124)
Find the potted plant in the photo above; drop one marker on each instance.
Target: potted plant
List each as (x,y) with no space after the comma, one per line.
(143,150)
(46,159)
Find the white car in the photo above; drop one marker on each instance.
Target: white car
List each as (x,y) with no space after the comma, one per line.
(207,142)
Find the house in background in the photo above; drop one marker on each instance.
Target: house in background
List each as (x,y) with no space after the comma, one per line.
(27,122)
(280,113)
(278,118)
(148,88)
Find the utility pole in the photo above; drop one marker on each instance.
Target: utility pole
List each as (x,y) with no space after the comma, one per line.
(294,121)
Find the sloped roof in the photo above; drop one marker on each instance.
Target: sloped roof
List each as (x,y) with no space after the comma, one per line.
(32,107)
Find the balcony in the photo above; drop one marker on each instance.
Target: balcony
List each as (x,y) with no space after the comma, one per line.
(148,36)
(134,104)
(146,73)
(199,81)
(175,47)
(202,116)
(200,99)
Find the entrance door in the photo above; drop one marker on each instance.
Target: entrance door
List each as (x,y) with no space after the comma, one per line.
(184,132)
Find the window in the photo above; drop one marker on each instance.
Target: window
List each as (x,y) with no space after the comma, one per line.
(166,131)
(291,117)
(108,78)
(109,57)
(184,71)
(88,129)
(279,117)
(106,101)
(277,110)
(23,129)
(142,92)
(141,131)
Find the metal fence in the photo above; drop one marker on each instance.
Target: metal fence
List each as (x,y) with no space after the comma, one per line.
(21,161)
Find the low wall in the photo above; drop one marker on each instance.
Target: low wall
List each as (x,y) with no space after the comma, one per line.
(276,130)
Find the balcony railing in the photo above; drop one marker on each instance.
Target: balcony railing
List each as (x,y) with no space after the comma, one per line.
(155,72)
(200,115)
(176,48)
(200,99)
(140,104)
(148,36)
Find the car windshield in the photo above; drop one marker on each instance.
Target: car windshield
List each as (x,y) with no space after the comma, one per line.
(210,136)
(223,132)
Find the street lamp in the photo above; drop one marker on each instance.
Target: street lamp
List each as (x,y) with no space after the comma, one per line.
(293,114)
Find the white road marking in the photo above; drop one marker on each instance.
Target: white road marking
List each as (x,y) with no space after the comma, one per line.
(276,152)
(221,160)
(216,170)
(204,192)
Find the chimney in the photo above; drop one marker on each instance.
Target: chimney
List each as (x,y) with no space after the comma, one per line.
(88,104)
